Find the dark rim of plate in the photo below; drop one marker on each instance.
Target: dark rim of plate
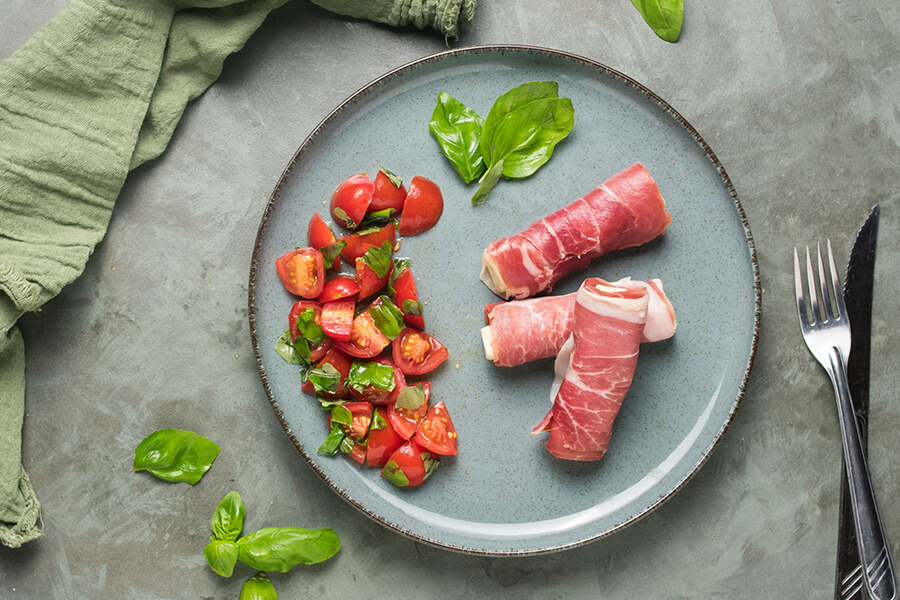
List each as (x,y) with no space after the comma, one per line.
(254,265)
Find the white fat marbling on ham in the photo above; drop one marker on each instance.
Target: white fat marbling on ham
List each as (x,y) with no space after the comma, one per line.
(596,376)
(627,210)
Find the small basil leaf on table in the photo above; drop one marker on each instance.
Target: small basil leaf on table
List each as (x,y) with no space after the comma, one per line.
(258,587)
(281,548)
(665,17)
(457,128)
(228,520)
(221,556)
(175,455)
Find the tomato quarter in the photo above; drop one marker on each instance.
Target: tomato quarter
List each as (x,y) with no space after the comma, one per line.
(337,318)
(409,465)
(381,443)
(351,200)
(302,272)
(337,288)
(405,421)
(436,431)
(341,361)
(406,297)
(299,306)
(423,207)
(377,395)
(388,194)
(417,352)
(368,280)
(365,340)
(358,244)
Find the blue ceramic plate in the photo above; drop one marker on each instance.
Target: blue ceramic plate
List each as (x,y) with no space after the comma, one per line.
(504,494)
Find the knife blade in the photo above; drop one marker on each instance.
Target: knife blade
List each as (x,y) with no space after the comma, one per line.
(858,290)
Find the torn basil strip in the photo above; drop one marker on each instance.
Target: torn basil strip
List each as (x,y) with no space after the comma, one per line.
(387,317)
(363,374)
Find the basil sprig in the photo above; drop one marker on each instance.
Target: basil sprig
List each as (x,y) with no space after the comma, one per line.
(387,317)
(258,587)
(363,374)
(665,17)
(175,455)
(267,549)
(516,138)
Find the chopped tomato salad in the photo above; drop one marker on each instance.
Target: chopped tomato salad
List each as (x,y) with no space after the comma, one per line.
(358,331)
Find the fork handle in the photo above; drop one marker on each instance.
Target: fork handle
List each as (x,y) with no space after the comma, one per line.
(874,552)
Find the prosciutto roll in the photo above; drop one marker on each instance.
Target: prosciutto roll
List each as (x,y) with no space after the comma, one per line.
(521,331)
(627,210)
(596,376)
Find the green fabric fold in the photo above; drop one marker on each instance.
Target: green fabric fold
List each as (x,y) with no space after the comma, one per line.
(96,92)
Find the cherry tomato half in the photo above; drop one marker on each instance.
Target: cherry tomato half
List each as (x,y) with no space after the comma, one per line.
(361,413)
(436,431)
(358,244)
(406,297)
(351,200)
(387,194)
(340,361)
(337,318)
(409,465)
(405,421)
(320,235)
(302,272)
(417,352)
(337,288)
(368,280)
(365,340)
(377,395)
(381,443)
(423,207)
(299,306)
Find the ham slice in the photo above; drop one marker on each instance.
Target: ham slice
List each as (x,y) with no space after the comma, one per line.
(627,210)
(596,375)
(521,331)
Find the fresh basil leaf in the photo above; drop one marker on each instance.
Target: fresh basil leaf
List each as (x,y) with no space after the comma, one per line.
(387,317)
(524,138)
(457,128)
(665,17)
(343,218)
(221,555)
(411,397)
(431,463)
(341,415)
(363,374)
(281,548)
(374,221)
(392,177)
(293,352)
(347,444)
(333,442)
(332,252)
(379,259)
(175,455)
(328,404)
(324,378)
(258,587)
(413,307)
(310,330)
(393,473)
(228,519)
(378,421)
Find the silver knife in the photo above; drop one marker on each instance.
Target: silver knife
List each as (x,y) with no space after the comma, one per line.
(858,286)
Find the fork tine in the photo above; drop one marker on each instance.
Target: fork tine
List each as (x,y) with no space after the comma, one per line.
(798,289)
(811,284)
(823,284)
(836,286)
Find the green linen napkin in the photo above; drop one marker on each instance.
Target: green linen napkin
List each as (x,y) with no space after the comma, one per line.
(95,93)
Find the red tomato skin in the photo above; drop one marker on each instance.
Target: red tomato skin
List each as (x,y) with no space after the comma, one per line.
(337,288)
(369,281)
(439,418)
(358,244)
(337,318)
(378,396)
(358,453)
(319,233)
(365,340)
(404,421)
(352,198)
(340,361)
(410,365)
(409,458)
(405,289)
(386,194)
(423,207)
(382,442)
(302,271)
(299,306)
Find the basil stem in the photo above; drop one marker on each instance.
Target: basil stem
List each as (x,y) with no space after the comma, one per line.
(258,587)
(282,548)
(665,17)
(175,455)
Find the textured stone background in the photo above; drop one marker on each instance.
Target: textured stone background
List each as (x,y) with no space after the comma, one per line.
(799,101)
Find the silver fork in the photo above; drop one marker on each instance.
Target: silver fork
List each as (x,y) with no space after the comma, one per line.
(827,334)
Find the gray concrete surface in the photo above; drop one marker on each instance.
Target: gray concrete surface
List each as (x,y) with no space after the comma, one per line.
(799,100)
